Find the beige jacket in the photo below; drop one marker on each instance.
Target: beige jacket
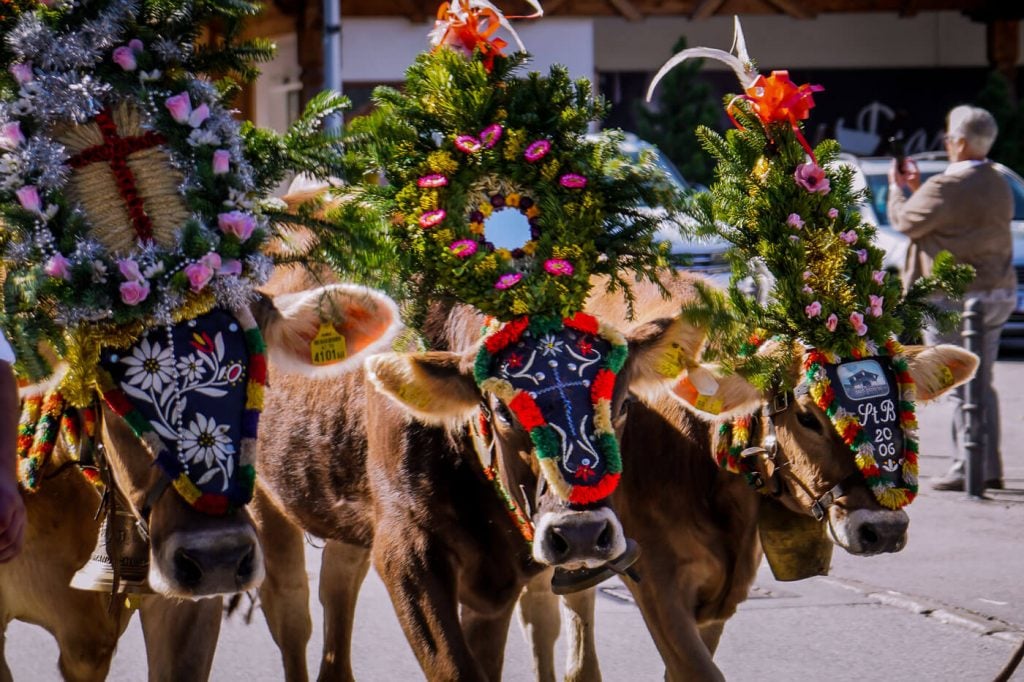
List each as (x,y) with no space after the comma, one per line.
(966,212)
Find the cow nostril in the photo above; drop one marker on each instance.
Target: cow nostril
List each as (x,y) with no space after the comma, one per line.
(868,536)
(246,565)
(604,540)
(187,570)
(557,543)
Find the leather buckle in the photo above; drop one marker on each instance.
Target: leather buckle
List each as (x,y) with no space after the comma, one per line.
(780,403)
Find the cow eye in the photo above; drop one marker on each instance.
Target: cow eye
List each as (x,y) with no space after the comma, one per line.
(503,414)
(627,402)
(808,420)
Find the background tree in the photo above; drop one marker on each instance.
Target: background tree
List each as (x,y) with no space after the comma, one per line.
(686,102)
(997,97)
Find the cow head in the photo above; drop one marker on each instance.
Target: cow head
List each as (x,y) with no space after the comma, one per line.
(553,401)
(810,458)
(192,554)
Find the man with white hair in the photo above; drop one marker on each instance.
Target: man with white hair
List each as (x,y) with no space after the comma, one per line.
(967,211)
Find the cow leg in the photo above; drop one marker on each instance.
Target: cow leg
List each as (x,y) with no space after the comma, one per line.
(674,629)
(581,662)
(180,636)
(421,579)
(342,571)
(540,621)
(487,635)
(711,633)
(86,652)
(284,594)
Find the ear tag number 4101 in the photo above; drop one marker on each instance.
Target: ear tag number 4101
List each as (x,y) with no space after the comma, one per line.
(328,346)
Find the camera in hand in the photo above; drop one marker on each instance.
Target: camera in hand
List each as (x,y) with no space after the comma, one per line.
(899,151)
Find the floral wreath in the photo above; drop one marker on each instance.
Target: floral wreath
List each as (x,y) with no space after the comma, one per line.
(524,407)
(123,181)
(849,426)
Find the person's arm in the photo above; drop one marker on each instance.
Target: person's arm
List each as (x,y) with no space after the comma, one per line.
(12,506)
(922,212)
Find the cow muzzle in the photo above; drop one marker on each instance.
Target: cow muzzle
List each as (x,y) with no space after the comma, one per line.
(578,539)
(207,563)
(867,531)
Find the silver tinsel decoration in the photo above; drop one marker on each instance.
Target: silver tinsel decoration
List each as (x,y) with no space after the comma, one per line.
(82,49)
(44,157)
(233,292)
(67,96)
(260,266)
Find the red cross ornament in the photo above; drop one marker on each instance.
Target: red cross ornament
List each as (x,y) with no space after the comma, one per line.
(115,151)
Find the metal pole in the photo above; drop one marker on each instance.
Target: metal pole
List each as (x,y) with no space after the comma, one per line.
(974,426)
(332,56)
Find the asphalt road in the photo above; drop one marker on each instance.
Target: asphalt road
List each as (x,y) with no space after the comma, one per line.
(949,607)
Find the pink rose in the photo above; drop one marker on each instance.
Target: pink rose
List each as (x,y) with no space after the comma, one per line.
(198,115)
(180,107)
(199,275)
(832,322)
(807,275)
(850,236)
(876,304)
(807,290)
(795,221)
(221,161)
(812,178)
(237,223)
(857,321)
(231,268)
(28,197)
(134,292)
(813,310)
(862,255)
(11,135)
(136,45)
(833,213)
(130,270)
(125,58)
(212,261)
(22,72)
(58,267)
(878,276)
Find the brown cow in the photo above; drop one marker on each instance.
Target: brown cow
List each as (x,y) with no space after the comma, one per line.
(698,523)
(34,588)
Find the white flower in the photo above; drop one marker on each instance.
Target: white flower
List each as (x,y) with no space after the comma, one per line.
(206,442)
(200,137)
(191,368)
(99,272)
(551,345)
(150,366)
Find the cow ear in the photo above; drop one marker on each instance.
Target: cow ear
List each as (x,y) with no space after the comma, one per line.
(662,350)
(435,386)
(729,395)
(366,319)
(938,369)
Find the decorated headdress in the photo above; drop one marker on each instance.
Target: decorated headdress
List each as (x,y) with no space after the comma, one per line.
(497,198)
(130,201)
(784,205)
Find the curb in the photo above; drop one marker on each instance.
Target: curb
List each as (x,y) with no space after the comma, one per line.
(944,613)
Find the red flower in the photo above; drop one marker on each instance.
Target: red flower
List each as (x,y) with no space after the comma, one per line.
(514,361)
(585,473)
(584,346)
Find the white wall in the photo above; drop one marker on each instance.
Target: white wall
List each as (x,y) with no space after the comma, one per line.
(875,40)
(376,50)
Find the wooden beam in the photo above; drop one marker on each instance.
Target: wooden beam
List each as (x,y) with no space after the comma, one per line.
(706,8)
(793,8)
(627,9)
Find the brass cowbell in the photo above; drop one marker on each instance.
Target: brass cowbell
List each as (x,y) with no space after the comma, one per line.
(133,551)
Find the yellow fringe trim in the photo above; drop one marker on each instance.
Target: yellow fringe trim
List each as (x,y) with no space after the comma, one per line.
(549,467)
(603,416)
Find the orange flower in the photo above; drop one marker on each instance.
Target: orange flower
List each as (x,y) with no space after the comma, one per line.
(777,98)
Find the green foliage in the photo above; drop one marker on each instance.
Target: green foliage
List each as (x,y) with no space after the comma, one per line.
(830,290)
(685,104)
(997,98)
(423,132)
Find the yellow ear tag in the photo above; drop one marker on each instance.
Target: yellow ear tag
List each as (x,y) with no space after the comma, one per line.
(708,403)
(328,346)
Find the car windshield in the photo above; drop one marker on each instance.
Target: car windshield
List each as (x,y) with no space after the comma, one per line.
(878,183)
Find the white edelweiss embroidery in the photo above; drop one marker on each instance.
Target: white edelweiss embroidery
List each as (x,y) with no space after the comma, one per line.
(551,345)
(150,367)
(206,442)
(191,368)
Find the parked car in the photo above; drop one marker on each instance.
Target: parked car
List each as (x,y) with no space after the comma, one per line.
(704,255)
(874,174)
